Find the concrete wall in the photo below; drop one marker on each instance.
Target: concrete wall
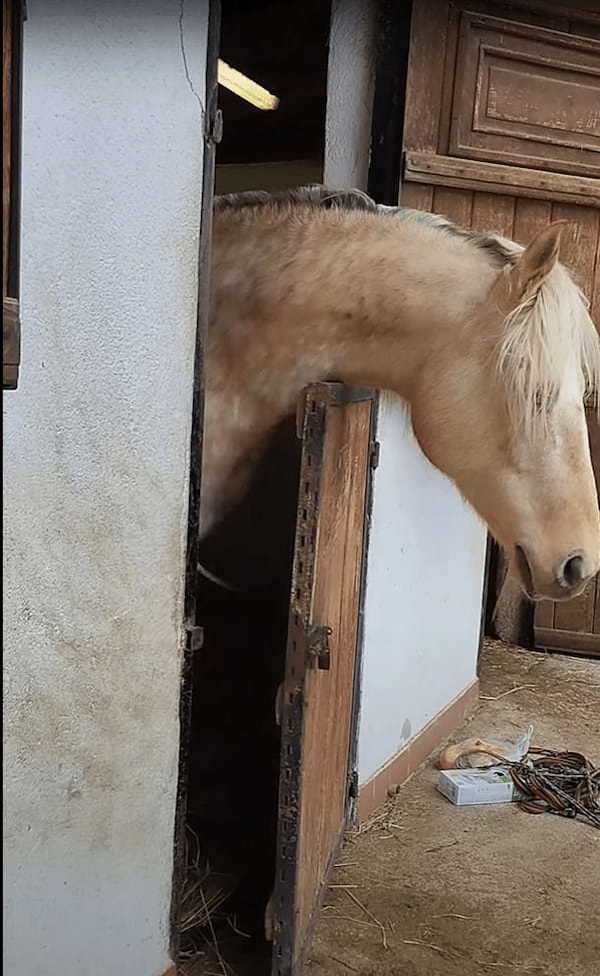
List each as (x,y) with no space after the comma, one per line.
(96,479)
(427,548)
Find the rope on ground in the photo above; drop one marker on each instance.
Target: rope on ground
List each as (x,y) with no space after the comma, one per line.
(563,783)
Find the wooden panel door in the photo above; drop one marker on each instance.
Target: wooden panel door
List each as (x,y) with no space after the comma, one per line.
(502,133)
(318,697)
(574,626)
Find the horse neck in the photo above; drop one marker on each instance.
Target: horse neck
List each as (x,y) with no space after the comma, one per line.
(306,301)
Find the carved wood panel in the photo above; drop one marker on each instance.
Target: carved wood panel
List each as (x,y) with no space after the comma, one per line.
(526,96)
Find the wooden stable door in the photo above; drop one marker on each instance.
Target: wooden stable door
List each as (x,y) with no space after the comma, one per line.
(502,133)
(574,626)
(318,698)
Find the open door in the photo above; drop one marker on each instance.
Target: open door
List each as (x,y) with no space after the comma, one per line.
(318,699)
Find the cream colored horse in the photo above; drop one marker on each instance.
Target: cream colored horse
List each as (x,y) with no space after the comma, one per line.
(491,345)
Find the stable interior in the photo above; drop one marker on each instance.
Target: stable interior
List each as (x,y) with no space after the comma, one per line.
(233,749)
(234,743)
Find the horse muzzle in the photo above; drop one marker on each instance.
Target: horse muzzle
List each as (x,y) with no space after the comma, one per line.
(567,579)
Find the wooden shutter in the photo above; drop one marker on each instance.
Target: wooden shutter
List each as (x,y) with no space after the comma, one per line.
(502,133)
(12,11)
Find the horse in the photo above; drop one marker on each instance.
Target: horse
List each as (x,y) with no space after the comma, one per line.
(490,344)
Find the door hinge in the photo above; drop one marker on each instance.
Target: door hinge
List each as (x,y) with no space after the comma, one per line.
(374,456)
(11,342)
(213,131)
(317,646)
(194,638)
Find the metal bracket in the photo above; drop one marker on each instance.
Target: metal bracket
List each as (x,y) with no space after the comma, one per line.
(194,638)
(330,394)
(317,647)
(374,456)
(338,394)
(11,343)
(214,127)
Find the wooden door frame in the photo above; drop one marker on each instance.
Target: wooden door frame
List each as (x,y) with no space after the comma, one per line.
(211,123)
(14,15)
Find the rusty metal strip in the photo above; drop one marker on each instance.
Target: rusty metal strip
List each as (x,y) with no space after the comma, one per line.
(313,435)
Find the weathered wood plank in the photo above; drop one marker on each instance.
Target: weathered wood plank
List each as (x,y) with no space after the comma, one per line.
(424,167)
(493,212)
(565,640)
(457,205)
(423,101)
(531,216)
(418,196)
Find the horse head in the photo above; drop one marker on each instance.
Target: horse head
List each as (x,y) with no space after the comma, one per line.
(500,409)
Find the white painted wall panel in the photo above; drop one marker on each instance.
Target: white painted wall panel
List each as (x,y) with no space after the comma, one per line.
(96,480)
(350,89)
(423,599)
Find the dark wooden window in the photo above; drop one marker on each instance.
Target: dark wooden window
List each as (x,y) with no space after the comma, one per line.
(12,22)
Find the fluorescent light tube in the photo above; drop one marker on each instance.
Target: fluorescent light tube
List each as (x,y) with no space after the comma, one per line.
(237,83)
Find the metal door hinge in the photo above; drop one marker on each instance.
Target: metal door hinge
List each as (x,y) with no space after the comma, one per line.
(317,646)
(11,332)
(214,127)
(374,457)
(194,638)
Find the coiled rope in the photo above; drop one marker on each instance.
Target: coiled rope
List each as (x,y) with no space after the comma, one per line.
(563,783)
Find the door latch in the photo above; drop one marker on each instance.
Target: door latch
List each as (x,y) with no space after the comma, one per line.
(317,643)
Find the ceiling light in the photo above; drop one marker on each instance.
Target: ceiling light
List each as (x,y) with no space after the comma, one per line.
(237,83)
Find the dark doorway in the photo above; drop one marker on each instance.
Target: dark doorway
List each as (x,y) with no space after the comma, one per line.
(242,597)
(235,739)
(284,48)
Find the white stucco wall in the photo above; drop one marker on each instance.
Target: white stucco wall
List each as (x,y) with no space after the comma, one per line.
(96,478)
(423,599)
(427,548)
(350,89)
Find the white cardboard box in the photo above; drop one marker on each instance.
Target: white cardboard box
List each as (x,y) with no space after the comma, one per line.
(471,786)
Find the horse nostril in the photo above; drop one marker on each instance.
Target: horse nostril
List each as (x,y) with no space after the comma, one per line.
(573,571)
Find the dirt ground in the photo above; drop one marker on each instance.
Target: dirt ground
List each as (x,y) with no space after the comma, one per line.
(438,890)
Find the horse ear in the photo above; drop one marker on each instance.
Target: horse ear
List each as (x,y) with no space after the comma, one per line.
(537,260)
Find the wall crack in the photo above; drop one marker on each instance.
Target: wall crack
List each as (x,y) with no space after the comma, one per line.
(184,57)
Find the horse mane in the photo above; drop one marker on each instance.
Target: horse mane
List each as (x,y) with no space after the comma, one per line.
(549,327)
(313,195)
(548,330)
(318,197)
